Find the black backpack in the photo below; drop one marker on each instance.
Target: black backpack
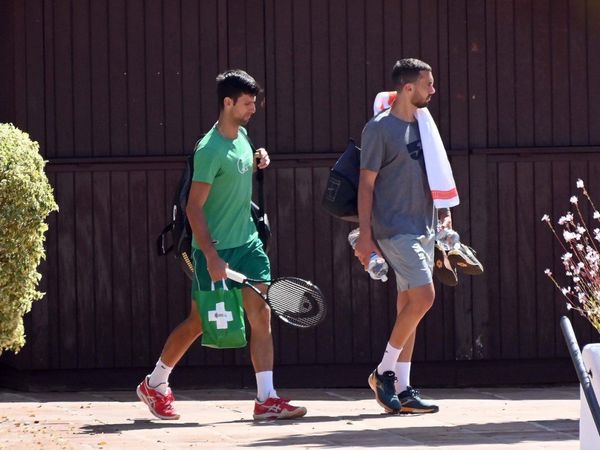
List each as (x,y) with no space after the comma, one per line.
(340,198)
(179,227)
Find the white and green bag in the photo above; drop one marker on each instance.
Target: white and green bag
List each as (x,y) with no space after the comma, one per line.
(222,314)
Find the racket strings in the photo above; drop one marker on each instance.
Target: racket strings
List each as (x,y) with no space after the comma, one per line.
(297,301)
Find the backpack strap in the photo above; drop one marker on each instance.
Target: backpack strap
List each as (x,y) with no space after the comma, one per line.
(259,176)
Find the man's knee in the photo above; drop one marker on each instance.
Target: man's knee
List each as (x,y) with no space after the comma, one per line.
(259,316)
(193,323)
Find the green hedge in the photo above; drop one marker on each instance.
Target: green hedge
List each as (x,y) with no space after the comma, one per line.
(26,199)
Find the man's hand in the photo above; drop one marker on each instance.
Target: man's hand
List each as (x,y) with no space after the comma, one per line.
(444,219)
(216,268)
(363,249)
(263,158)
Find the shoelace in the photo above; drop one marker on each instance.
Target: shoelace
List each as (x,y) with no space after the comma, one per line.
(413,392)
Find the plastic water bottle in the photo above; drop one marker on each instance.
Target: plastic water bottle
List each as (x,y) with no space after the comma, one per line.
(377,267)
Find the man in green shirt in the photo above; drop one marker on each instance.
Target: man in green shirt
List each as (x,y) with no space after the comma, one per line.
(224,236)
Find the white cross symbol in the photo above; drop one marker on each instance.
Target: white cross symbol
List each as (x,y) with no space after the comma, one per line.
(221,316)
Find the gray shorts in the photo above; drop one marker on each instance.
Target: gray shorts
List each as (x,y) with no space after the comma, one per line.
(411,257)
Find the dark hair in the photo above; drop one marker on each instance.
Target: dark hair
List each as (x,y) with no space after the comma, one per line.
(407,71)
(233,84)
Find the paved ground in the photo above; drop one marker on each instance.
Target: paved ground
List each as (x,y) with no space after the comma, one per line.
(346,418)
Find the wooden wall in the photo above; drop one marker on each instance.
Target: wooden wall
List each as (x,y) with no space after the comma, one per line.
(116,92)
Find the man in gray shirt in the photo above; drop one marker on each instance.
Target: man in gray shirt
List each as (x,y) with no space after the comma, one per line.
(395,209)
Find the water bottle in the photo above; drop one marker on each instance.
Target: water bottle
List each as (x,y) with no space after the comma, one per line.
(377,267)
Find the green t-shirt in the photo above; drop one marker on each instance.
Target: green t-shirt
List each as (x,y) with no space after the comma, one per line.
(226,165)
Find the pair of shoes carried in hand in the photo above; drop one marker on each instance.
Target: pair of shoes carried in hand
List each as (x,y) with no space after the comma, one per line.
(448,260)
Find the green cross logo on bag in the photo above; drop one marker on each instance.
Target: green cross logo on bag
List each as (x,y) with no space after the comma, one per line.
(222,313)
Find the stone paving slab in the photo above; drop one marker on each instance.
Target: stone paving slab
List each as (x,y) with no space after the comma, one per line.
(524,419)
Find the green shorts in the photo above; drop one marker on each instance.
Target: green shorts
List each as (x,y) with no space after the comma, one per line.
(249,259)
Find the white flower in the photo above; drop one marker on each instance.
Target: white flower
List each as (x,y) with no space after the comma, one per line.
(567,256)
(580,265)
(569,307)
(580,229)
(566,291)
(546,218)
(576,279)
(569,236)
(547,272)
(579,183)
(596,215)
(579,247)
(573,200)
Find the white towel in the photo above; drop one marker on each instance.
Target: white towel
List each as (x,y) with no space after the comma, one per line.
(439,172)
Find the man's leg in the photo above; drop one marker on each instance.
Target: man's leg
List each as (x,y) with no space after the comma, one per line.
(267,405)
(409,398)
(154,390)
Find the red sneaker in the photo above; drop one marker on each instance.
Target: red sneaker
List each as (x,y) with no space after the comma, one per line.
(277,408)
(160,405)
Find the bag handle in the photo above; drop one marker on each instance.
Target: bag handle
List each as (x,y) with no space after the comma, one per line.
(212,285)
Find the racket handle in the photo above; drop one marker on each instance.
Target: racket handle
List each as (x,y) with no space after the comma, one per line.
(235,276)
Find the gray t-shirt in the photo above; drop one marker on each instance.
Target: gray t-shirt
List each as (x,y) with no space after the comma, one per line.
(402,202)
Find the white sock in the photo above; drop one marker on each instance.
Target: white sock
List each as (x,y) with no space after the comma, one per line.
(159,378)
(402,376)
(389,359)
(264,385)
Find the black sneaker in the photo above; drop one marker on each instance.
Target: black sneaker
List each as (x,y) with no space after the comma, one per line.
(463,258)
(413,403)
(442,269)
(385,394)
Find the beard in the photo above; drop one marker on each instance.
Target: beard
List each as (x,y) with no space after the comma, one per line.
(422,103)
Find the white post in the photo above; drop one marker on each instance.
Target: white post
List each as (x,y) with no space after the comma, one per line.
(588,433)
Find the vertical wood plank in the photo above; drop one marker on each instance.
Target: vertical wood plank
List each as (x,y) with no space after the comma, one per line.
(507,234)
(121,268)
(482,316)
(287,248)
(138,224)
(323,267)
(544,256)
(321,84)
(284,80)
(155,93)
(82,113)
(301,66)
(559,31)
(305,232)
(526,273)
(338,72)
(525,74)
(209,65)
(491,72)
(100,82)
(360,108)
(578,77)
(172,79)
(255,64)
(136,78)
(493,259)
(117,63)
(593,65)
(542,88)
(506,73)
(63,70)
(20,66)
(476,56)
(190,73)
(84,261)
(459,108)
(34,51)
(67,270)
(49,82)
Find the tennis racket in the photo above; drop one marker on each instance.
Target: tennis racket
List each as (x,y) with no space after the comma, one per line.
(297,302)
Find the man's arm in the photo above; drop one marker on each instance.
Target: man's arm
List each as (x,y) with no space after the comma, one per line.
(365,245)
(195,214)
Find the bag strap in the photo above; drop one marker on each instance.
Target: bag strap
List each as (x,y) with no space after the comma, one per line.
(212,285)
(260,176)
